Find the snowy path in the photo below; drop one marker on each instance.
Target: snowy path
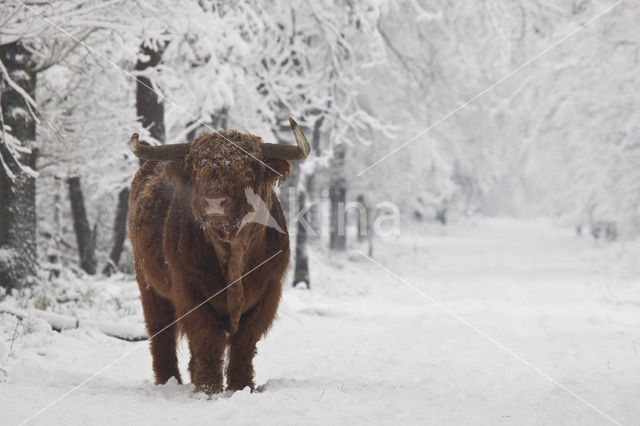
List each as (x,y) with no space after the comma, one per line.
(362,347)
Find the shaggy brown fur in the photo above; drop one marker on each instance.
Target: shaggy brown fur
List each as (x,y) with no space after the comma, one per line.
(183,257)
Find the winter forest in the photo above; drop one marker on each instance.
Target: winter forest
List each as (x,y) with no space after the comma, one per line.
(464,234)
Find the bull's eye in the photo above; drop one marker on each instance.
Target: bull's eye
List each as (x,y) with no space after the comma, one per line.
(248,174)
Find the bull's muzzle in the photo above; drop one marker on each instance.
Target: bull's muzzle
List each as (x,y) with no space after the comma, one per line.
(216,206)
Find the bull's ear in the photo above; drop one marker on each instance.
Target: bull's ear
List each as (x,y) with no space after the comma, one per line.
(277,170)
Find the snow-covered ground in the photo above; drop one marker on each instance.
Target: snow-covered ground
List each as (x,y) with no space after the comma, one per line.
(364,347)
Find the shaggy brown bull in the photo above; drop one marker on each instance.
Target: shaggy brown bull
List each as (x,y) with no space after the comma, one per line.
(211,248)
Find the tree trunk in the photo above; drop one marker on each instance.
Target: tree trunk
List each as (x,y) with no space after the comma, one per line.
(119,231)
(363,220)
(18,251)
(315,211)
(337,198)
(365,225)
(150,110)
(441,215)
(84,236)
(220,120)
(301,272)
(287,189)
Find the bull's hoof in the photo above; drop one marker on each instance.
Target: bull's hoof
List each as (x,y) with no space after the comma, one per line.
(240,386)
(238,389)
(170,378)
(209,389)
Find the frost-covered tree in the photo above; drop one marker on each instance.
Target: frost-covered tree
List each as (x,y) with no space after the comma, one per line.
(33,38)
(71,124)
(524,142)
(18,256)
(582,149)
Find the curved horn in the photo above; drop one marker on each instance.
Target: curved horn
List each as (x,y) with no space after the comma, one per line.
(288,152)
(162,152)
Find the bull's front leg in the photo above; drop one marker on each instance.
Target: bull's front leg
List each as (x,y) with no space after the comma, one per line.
(207,341)
(242,349)
(242,345)
(159,317)
(242,342)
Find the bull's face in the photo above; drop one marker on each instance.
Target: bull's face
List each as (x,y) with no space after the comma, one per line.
(219,199)
(232,184)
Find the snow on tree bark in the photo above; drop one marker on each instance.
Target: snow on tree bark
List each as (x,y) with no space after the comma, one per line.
(18,192)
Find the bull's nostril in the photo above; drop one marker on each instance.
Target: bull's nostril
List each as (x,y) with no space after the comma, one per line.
(206,204)
(222,203)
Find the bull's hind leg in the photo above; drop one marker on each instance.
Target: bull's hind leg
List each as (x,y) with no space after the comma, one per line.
(158,315)
(242,345)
